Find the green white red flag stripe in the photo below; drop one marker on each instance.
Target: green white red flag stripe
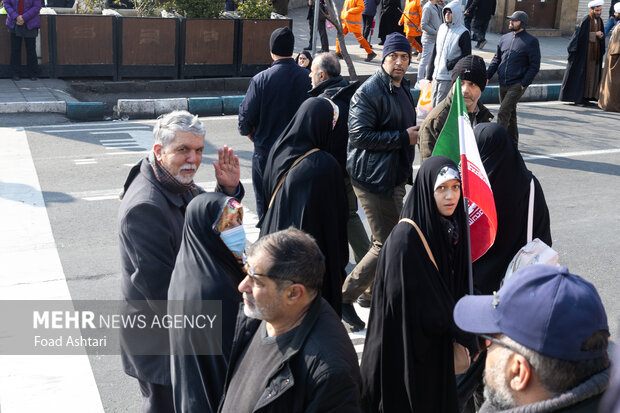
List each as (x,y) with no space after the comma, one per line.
(457,141)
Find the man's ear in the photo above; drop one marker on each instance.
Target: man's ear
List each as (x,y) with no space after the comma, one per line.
(157,150)
(520,373)
(294,293)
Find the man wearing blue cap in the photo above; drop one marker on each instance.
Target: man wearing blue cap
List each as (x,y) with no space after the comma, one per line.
(546,334)
(380,153)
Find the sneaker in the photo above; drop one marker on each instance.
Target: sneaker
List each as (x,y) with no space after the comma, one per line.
(482,44)
(339,56)
(309,47)
(33,78)
(370,57)
(16,77)
(350,317)
(363,302)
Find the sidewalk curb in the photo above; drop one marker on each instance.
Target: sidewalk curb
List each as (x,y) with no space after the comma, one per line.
(85,110)
(34,107)
(216,106)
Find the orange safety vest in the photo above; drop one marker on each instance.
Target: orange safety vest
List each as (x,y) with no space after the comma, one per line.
(411,18)
(352,13)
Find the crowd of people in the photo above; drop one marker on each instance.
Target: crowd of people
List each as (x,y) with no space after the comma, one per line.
(321,145)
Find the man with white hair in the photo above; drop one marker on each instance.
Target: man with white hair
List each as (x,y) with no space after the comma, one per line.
(150,224)
(585,59)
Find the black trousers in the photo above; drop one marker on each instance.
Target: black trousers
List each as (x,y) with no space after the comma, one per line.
(479,26)
(16,55)
(366,26)
(156,398)
(322,31)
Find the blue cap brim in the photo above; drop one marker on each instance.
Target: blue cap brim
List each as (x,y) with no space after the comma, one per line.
(476,314)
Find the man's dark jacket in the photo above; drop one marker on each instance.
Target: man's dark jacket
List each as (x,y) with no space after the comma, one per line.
(375,137)
(436,119)
(517,59)
(339,91)
(319,371)
(482,9)
(273,97)
(574,82)
(150,232)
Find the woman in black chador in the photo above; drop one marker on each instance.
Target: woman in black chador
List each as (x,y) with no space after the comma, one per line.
(304,188)
(510,181)
(408,361)
(208,267)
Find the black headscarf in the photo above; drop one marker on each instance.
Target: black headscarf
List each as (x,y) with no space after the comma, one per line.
(312,196)
(408,360)
(311,127)
(308,56)
(510,181)
(205,269)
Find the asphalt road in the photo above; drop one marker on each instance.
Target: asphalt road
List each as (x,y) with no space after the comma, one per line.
(574,152)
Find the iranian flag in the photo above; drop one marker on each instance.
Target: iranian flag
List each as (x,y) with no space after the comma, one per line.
(457,141)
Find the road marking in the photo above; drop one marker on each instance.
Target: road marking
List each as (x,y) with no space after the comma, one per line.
(113,131)
(94,131)
(126,152)
(572,154)
(116,140)
(107,194)
(123,146)
(31,270)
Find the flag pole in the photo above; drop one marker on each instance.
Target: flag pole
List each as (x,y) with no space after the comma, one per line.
(470,271)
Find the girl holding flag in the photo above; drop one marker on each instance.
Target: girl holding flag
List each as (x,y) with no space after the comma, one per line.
(408,363)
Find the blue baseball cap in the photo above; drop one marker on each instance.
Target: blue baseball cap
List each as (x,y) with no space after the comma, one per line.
(542,307)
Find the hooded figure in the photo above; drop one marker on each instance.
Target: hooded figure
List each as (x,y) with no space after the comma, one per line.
(408,360)
(205,269)
(510,182)
(309,193)
(453,43)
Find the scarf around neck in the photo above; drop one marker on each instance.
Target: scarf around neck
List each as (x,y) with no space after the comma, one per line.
(168,181)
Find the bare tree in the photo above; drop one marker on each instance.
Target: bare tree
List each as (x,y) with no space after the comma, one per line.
(334,17)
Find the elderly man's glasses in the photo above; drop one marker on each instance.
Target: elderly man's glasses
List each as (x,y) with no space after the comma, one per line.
(493,340)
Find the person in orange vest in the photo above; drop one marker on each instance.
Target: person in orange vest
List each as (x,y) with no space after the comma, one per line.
(411,18)
(351,18)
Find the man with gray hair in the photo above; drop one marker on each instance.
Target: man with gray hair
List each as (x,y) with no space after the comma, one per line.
(327,83)
(290,352)
(150,224)
(546,336)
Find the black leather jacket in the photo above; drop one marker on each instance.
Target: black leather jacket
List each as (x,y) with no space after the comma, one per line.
(375,137)
(319,372)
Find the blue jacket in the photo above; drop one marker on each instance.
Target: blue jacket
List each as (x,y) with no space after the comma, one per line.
(273,97)
(517,59)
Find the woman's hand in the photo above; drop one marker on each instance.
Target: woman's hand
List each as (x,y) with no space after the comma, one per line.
(19,20)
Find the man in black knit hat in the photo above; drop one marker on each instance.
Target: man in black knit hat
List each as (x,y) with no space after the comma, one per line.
(273,97)
(473,73)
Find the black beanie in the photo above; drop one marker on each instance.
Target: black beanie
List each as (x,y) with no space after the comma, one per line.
(282,42)
(396,42)
(471,68)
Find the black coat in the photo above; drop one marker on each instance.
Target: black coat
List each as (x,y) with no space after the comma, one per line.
(376,140)
(481,9)
(273,97)
(150,226)
(319,371)
(408,360)
(312,196)
(390,15)
(510,182)
(340,91)
(573,84)
(205,269)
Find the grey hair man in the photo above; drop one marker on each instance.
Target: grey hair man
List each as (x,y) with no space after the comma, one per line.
(546,334)
(284,327)
(150,224)
(327,83)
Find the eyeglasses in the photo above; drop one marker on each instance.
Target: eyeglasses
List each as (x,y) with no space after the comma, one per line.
(249,270)
(493,340)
